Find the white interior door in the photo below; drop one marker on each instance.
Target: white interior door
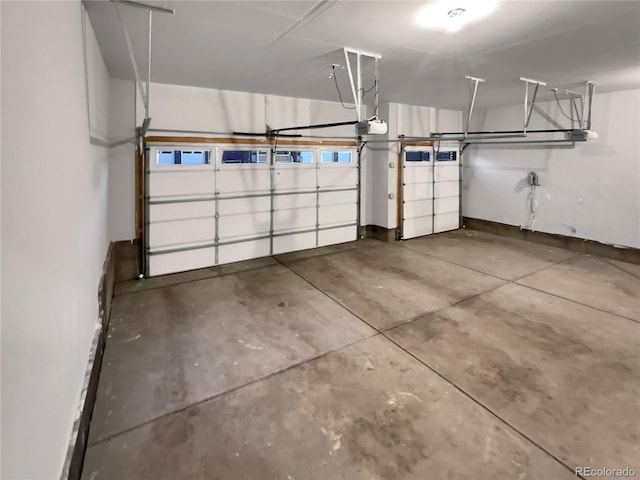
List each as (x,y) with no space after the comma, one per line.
(417,187)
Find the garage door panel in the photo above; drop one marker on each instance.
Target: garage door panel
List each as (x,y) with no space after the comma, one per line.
(244,251)
(418,192)
(447,189)
(250,224)
(447,221)
(163,264)
(447,173)
(418,208)
(296,178)
(337,177)
(180,211)
(418,174)
(446,205)
(181,232)
(182,183)
(337,214)
(236,206)
(295,242)
(281,202)
(337,235)
(416,227)
(337,198)
(249,180)
(249,210)
(294,219)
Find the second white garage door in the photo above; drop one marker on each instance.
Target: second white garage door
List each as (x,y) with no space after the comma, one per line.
(430,190)
(216,204)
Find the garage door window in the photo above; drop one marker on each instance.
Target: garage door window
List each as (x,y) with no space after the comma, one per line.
(184,157)
(336,157)
(417,156)
(446,156)
(244,156)
(287,156)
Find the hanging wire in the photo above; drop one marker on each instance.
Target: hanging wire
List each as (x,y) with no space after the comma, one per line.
(335,79)
(555,94)
(364,92)
(532,207)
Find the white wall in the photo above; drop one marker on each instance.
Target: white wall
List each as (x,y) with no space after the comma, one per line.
(180,109)
(54,230)
(604,173)
(122,160)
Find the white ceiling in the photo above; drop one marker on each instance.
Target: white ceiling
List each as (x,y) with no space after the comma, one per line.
(268,47)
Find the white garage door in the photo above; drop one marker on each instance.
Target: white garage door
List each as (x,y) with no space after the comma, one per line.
(430,190)
(216,204)
(417,197)
(446,202)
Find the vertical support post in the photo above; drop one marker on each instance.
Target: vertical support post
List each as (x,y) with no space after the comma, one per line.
(353,87)
(473,91)
(132,58)
(359,91)
(377,85)
(592,89)
(574,107)
(533,101)
(528,107)
(356,86)
(146,100)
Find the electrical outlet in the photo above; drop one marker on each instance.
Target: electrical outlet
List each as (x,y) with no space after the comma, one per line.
(580,199)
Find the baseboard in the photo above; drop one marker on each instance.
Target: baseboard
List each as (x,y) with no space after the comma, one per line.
(590,247)
(379,233)
(72,469)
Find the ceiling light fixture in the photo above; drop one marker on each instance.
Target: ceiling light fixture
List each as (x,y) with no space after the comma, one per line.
(453,15)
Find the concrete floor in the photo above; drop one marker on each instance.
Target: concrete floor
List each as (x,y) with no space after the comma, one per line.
(455,356)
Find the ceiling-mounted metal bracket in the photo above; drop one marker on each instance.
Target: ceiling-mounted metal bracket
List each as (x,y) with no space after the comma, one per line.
(583,114)
(356,87)
(573,103)
(473,91)
(590,90)
(528,108)
(144,92)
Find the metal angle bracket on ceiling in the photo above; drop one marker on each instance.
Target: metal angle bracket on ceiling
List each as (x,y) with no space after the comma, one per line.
(356,87)
(473,91)
(583,115)
(144,93)
(528,108)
